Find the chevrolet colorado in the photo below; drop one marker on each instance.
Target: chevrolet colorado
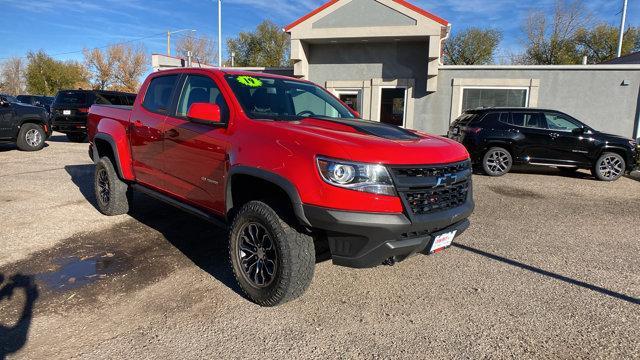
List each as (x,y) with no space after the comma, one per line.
(282,163)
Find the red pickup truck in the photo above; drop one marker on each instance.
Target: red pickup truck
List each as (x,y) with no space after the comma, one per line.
(283,164)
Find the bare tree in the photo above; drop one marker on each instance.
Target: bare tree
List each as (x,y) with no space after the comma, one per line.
(12,76)
(551,40)
(203,49)
(102,67)
(130,63)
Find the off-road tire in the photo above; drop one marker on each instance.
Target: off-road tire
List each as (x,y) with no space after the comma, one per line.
(119,194)
(601,168)
(497,161)
(295,256)
(77,138)
(31,137)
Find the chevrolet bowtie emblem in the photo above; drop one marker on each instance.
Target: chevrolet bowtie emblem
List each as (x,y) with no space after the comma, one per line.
(447,180)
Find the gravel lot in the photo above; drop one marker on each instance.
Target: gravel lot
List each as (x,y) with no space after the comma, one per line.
(548,269)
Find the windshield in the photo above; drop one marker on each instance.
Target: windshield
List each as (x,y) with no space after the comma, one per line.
(280,99)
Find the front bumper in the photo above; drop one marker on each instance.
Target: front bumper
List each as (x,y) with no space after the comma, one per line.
(362,240)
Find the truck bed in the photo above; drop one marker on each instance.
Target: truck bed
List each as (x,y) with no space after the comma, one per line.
(97,113)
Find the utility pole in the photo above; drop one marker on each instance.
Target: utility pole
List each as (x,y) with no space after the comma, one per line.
(220,33)
(169,38)
(624,16)
(168,43)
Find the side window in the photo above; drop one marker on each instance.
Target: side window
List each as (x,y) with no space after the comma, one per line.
(528,119)
(201,89)
(559,122)
(158,96)
(492,118)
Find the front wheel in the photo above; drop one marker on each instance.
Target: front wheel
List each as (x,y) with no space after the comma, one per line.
(31,137)
(272,262)
(609,167)
(497,161)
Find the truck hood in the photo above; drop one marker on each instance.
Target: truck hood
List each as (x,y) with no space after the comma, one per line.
(370,141)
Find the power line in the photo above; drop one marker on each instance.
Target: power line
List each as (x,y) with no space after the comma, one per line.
(94,48)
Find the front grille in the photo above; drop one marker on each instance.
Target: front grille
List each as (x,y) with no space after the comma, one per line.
(428,201)
(433,170)
(430,189)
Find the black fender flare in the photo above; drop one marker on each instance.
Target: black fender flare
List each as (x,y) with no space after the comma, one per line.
(273,178)
(114,149)
(628,156)
(29,120)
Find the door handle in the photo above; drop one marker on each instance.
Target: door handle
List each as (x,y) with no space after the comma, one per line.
(172,133)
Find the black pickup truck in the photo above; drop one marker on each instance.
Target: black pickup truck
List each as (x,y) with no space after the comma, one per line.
(23,124)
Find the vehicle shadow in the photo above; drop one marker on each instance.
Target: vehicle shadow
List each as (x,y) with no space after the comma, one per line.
(14,334)
(550,274)
(82,177)
(204,244)
(547,171)
(8,147)
(58,138)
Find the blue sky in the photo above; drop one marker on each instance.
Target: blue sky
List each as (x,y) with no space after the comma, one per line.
(65,26)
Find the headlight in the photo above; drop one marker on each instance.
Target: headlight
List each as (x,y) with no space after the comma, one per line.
(633,143)
(371,178)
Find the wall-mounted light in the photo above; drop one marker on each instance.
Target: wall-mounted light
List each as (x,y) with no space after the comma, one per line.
(625,83)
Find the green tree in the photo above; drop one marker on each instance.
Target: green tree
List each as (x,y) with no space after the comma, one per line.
(266,46)
(550,39)
(46,75)
(473,46)
(600,43)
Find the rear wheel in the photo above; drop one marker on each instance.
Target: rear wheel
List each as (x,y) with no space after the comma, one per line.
(31,137)
(497,161)
(112,194)
(609,167)
(272,262)
(77,138)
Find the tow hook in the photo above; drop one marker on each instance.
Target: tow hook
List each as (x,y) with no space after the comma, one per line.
(389,262)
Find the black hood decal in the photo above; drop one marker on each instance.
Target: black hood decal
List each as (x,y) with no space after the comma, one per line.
(374,128)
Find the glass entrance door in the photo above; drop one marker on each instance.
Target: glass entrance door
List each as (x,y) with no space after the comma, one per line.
(392,106)
(352,98)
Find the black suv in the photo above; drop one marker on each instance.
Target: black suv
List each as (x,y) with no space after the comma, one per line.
(497,138)
(23,124)
(37,100)
(70,109)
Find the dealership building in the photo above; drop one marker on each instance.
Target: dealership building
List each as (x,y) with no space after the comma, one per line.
(383,58)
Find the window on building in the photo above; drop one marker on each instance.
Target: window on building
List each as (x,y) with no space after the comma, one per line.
(392,106)
(473,98)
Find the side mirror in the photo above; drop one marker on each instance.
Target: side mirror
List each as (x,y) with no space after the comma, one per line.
(578,131)
(204,112)
(3,102)
(357,114)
